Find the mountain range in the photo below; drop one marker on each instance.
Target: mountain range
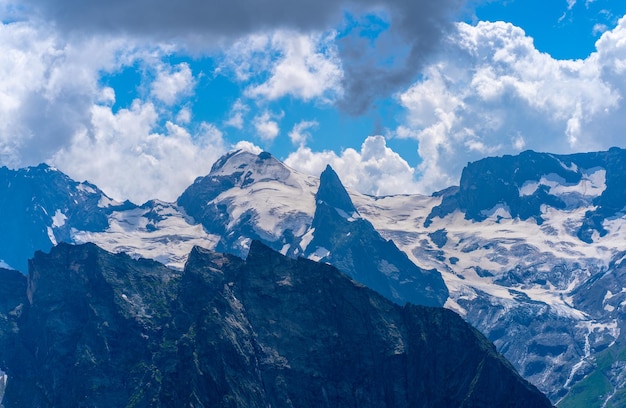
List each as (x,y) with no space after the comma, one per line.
(529,249)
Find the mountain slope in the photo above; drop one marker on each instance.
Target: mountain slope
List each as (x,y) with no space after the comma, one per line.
(521,185)
(341,237)
(105,330)
(513,246)
(41,206)
(247,197)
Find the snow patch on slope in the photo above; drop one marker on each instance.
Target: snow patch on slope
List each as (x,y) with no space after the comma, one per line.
(169,240)
(500,246)
(58,219)
(51,236)
(591,185)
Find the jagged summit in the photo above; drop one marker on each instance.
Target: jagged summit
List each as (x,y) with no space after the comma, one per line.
(333,193)
(341,237)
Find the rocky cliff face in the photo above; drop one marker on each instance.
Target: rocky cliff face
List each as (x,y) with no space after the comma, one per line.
(90,331)
(99,329)
(521,185)
(12,303)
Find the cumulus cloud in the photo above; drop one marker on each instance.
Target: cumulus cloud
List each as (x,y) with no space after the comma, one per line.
(266,126)
(184,116)
(305,66)
(53,108)
(375,169)
(47,86)
(247,146)
(172,82)
(490,92)
(286,63)
(235,119)
(125,142)
(301,132)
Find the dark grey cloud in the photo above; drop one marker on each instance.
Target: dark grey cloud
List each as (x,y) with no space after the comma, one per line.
(394,60)
(416,28)
(167,18)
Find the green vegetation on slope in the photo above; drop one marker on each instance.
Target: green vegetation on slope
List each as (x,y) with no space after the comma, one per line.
(597,389)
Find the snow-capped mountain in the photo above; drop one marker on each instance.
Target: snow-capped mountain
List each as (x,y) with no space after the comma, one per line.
(248,197)
(531,248)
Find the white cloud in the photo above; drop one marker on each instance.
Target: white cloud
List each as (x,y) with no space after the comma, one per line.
(238,110)
(127,158)
(266,127)
(172,82)
(287,63)
(184,116)
(53,108)
(247,57)
(490,92)
(599,29)
(247,146)
(375,169)
(300,132)
(47,87)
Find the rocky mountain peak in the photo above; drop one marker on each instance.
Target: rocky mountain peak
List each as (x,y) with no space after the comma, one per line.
(332,192)
(341,237)
(522,186)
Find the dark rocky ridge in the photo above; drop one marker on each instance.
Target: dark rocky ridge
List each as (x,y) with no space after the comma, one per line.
(498,180)
(106,330)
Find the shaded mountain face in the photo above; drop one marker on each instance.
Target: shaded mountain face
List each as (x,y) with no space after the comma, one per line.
(341,237)
(99,329)
(40,206)
(12,301)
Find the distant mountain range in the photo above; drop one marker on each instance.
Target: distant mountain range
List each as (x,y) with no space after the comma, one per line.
(529,249)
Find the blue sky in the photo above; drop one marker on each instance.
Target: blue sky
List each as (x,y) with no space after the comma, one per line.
(397,96)
(565,30)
